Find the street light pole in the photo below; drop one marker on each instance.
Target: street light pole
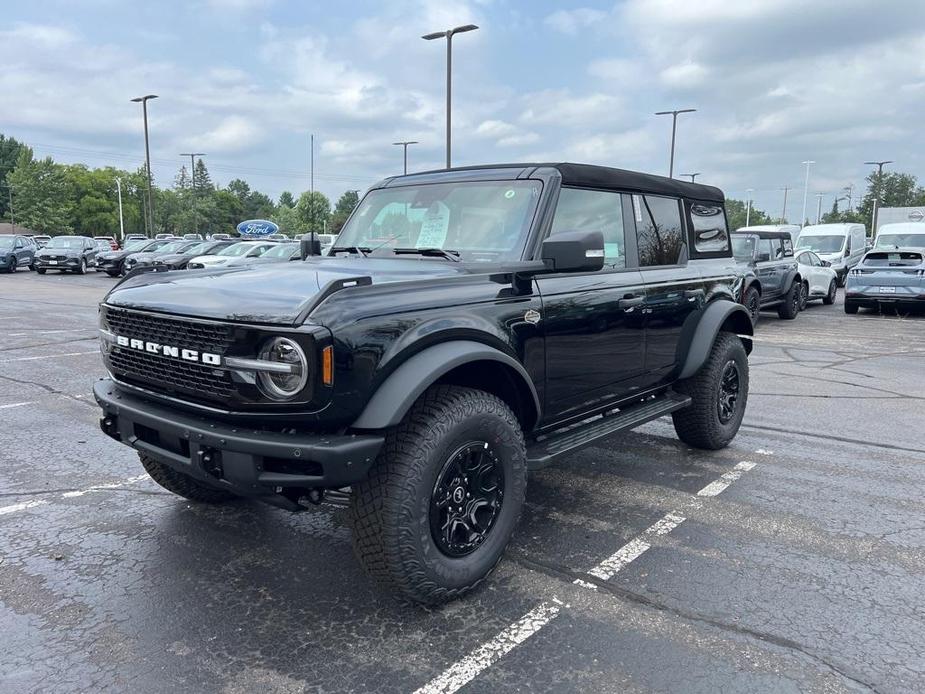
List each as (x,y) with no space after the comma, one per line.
(143,100)
(692,175)
(192,166)
(121,221)
(404,144)
(448,35)
(783,216)
(819,206)
(877,193)
(748,206)
(674,128)
(805,192)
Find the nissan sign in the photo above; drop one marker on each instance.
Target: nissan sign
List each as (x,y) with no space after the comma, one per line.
(255,228)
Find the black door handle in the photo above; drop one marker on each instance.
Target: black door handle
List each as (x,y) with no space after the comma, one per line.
(631,303)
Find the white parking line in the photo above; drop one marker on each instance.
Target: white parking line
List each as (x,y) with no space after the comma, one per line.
(464,671)
(719,485)
(49,356)
(13,508)
(15,404)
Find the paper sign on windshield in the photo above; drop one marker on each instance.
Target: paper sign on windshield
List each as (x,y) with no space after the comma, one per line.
(434,227)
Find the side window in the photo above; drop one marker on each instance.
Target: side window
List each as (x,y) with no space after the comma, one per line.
(765,250)
(593,210)
(658,230)
(709,227)
(19,243)
(848,244)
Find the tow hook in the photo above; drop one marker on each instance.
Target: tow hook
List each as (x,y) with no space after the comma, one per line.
(314,497)
(110,427)
(211,461)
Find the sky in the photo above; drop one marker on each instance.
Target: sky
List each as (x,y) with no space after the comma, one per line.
(774,82)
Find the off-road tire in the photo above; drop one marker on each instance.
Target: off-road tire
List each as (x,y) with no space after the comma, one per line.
(40,270)
(699,424)
(829,298)
(850,307)
(390,509)
(182,484)
(752,303)
(790,307)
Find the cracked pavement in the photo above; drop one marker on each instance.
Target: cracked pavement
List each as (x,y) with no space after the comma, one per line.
(804,575)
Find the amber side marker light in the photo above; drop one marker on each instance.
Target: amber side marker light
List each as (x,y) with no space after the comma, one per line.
(327,365)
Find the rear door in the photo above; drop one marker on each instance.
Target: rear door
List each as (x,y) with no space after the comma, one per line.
(769,268)
(674,289)
(593,322)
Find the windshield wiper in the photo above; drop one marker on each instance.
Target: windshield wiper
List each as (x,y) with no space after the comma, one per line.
(433,252)
(359,250)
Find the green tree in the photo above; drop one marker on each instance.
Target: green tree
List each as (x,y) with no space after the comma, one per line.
(345,205)
(202,182)
(9,154)
(286,199)
(288,220)
(894,189)
(229,211)
(736,212)
(40,194)
(313,211)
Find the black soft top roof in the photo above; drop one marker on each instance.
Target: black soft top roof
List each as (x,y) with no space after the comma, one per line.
(605,177)
(763,233)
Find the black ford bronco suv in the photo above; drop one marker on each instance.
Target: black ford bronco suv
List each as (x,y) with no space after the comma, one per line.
(467,326)
(771,275)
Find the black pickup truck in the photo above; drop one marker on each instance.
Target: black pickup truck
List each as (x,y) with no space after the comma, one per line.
(469,325)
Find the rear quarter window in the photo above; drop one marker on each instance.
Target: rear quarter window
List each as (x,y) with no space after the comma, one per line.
(709,229)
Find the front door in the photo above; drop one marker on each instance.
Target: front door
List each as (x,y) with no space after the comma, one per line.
(593,323)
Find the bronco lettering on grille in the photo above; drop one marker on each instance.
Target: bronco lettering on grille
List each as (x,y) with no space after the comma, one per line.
(169,351)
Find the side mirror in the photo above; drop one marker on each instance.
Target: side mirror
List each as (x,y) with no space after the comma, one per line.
(848,251)
(309,245)
(574,251)
(762,257)
(826,263)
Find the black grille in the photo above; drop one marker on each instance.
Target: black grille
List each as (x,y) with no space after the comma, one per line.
(167,373)
(205,337)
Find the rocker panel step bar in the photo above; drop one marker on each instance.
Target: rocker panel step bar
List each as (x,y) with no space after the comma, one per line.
(543,452)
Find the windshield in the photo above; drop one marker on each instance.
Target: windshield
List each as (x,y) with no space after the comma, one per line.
(483,221)
(66,242)
(743,247)
(172,247)
(892,240)
(6,242)
(284,250)
(822,244)
(136,245)
(236,250)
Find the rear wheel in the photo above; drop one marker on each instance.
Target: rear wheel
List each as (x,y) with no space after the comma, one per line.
(40,270)
(182,484)
(850,307)
(791,305)
(719,394)
(440,503)
(753,304)
(804,295)
(829,298)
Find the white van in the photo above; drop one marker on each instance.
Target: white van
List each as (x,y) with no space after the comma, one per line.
(792,229)
(901,235)
(841,245)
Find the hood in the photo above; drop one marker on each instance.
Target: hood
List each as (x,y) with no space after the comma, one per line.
(270,293)
(834,258)
(68,252)
(143,257)
(171,257)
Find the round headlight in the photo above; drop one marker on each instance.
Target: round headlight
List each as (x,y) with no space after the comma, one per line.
(286,383)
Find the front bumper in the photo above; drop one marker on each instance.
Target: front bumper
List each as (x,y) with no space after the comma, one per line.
(67,264)
(248,462)
(108,265)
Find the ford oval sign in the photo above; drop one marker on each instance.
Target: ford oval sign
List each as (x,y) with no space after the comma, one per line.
(256,228)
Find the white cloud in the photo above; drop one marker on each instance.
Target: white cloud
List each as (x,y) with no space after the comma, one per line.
(562,107)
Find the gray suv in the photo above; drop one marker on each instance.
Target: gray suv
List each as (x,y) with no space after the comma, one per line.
(16,252)
(771,276)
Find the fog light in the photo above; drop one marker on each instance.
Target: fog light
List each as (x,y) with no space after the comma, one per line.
(283,385)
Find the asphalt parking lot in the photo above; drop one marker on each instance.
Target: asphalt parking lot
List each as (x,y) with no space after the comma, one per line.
(791,561)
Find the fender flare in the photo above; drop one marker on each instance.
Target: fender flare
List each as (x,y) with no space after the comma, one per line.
(705,330)
(395,396)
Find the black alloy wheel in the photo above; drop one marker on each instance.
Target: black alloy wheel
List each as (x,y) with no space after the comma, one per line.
(466,499)
(804,295)
(729,386)
(753,305)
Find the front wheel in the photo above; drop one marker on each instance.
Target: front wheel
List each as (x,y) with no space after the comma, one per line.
(40,270)
(753,304)
(719,393)
(804,295)
(434,515)
(791,305)
(829,298)
(13,265)
(82,270)
(850,307)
